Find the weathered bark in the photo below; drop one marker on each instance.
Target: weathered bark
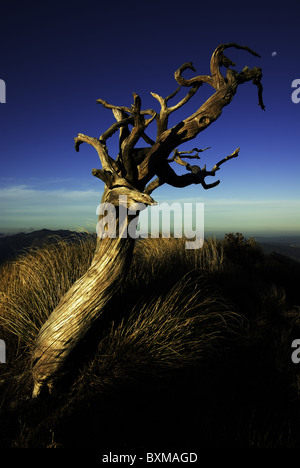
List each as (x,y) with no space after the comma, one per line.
(85,300)
(131,174)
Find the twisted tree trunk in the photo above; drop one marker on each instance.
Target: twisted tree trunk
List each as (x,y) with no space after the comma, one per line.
(86,299)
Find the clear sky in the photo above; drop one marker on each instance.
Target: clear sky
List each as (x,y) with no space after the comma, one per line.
(57,58)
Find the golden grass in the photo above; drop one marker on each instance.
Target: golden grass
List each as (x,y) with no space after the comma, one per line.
(208,329)
(32,285)
(176,330)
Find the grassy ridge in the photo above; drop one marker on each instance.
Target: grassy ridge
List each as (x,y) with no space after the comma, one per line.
(194,352)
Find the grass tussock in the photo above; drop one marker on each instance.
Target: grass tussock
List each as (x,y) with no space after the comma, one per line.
(31,286)
(177,330)
(195,350)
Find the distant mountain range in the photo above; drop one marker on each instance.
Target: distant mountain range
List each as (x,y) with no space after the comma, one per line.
(289,249)
(13,245)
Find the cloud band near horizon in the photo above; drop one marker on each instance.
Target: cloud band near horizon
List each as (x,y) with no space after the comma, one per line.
(28,208)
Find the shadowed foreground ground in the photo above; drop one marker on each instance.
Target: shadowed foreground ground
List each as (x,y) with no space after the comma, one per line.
(198,355)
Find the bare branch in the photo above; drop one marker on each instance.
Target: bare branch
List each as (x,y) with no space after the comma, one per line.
(108,173)
(160,99)
(232,155)
(199,80)
(162,119)
(168,139)
(260,91)
(148,121)
(99,146)
(196,176)
(173,94)
(184,154)
(105,176)
(147,139)
(129,110)
(122,123)
(167,175)
(121,116)
(183,101)
(202,173)
(129,139)
(178,159)
(237,46)
(153,185)
(255,74)
(199,150)
(112,107)
(123,120)
(218,60)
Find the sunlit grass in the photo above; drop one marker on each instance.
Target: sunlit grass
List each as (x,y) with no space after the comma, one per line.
(224,310)
(32,285)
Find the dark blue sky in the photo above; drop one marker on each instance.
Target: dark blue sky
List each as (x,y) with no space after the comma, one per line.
(59,57)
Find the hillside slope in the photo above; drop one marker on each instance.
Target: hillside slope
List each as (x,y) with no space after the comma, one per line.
(194,353)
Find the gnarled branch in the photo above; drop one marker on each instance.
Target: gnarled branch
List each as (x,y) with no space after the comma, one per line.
(196,80)
(154,184)
(186,155)
(139,167)
(197,176)
(127,138)
(218,59)
(129,110)
(162,118)
(202,173)
(99,147)
(120,124)
(169,139)
(108,173)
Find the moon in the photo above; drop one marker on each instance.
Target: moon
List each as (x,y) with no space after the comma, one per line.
(274,54)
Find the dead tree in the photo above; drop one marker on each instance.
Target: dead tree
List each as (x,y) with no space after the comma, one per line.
(129,179)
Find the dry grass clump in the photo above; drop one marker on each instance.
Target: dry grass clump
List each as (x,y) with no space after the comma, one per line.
(159,257)
(32,285)
(176,330)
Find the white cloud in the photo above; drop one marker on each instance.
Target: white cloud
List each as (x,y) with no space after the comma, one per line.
(23,205)
(247,215)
